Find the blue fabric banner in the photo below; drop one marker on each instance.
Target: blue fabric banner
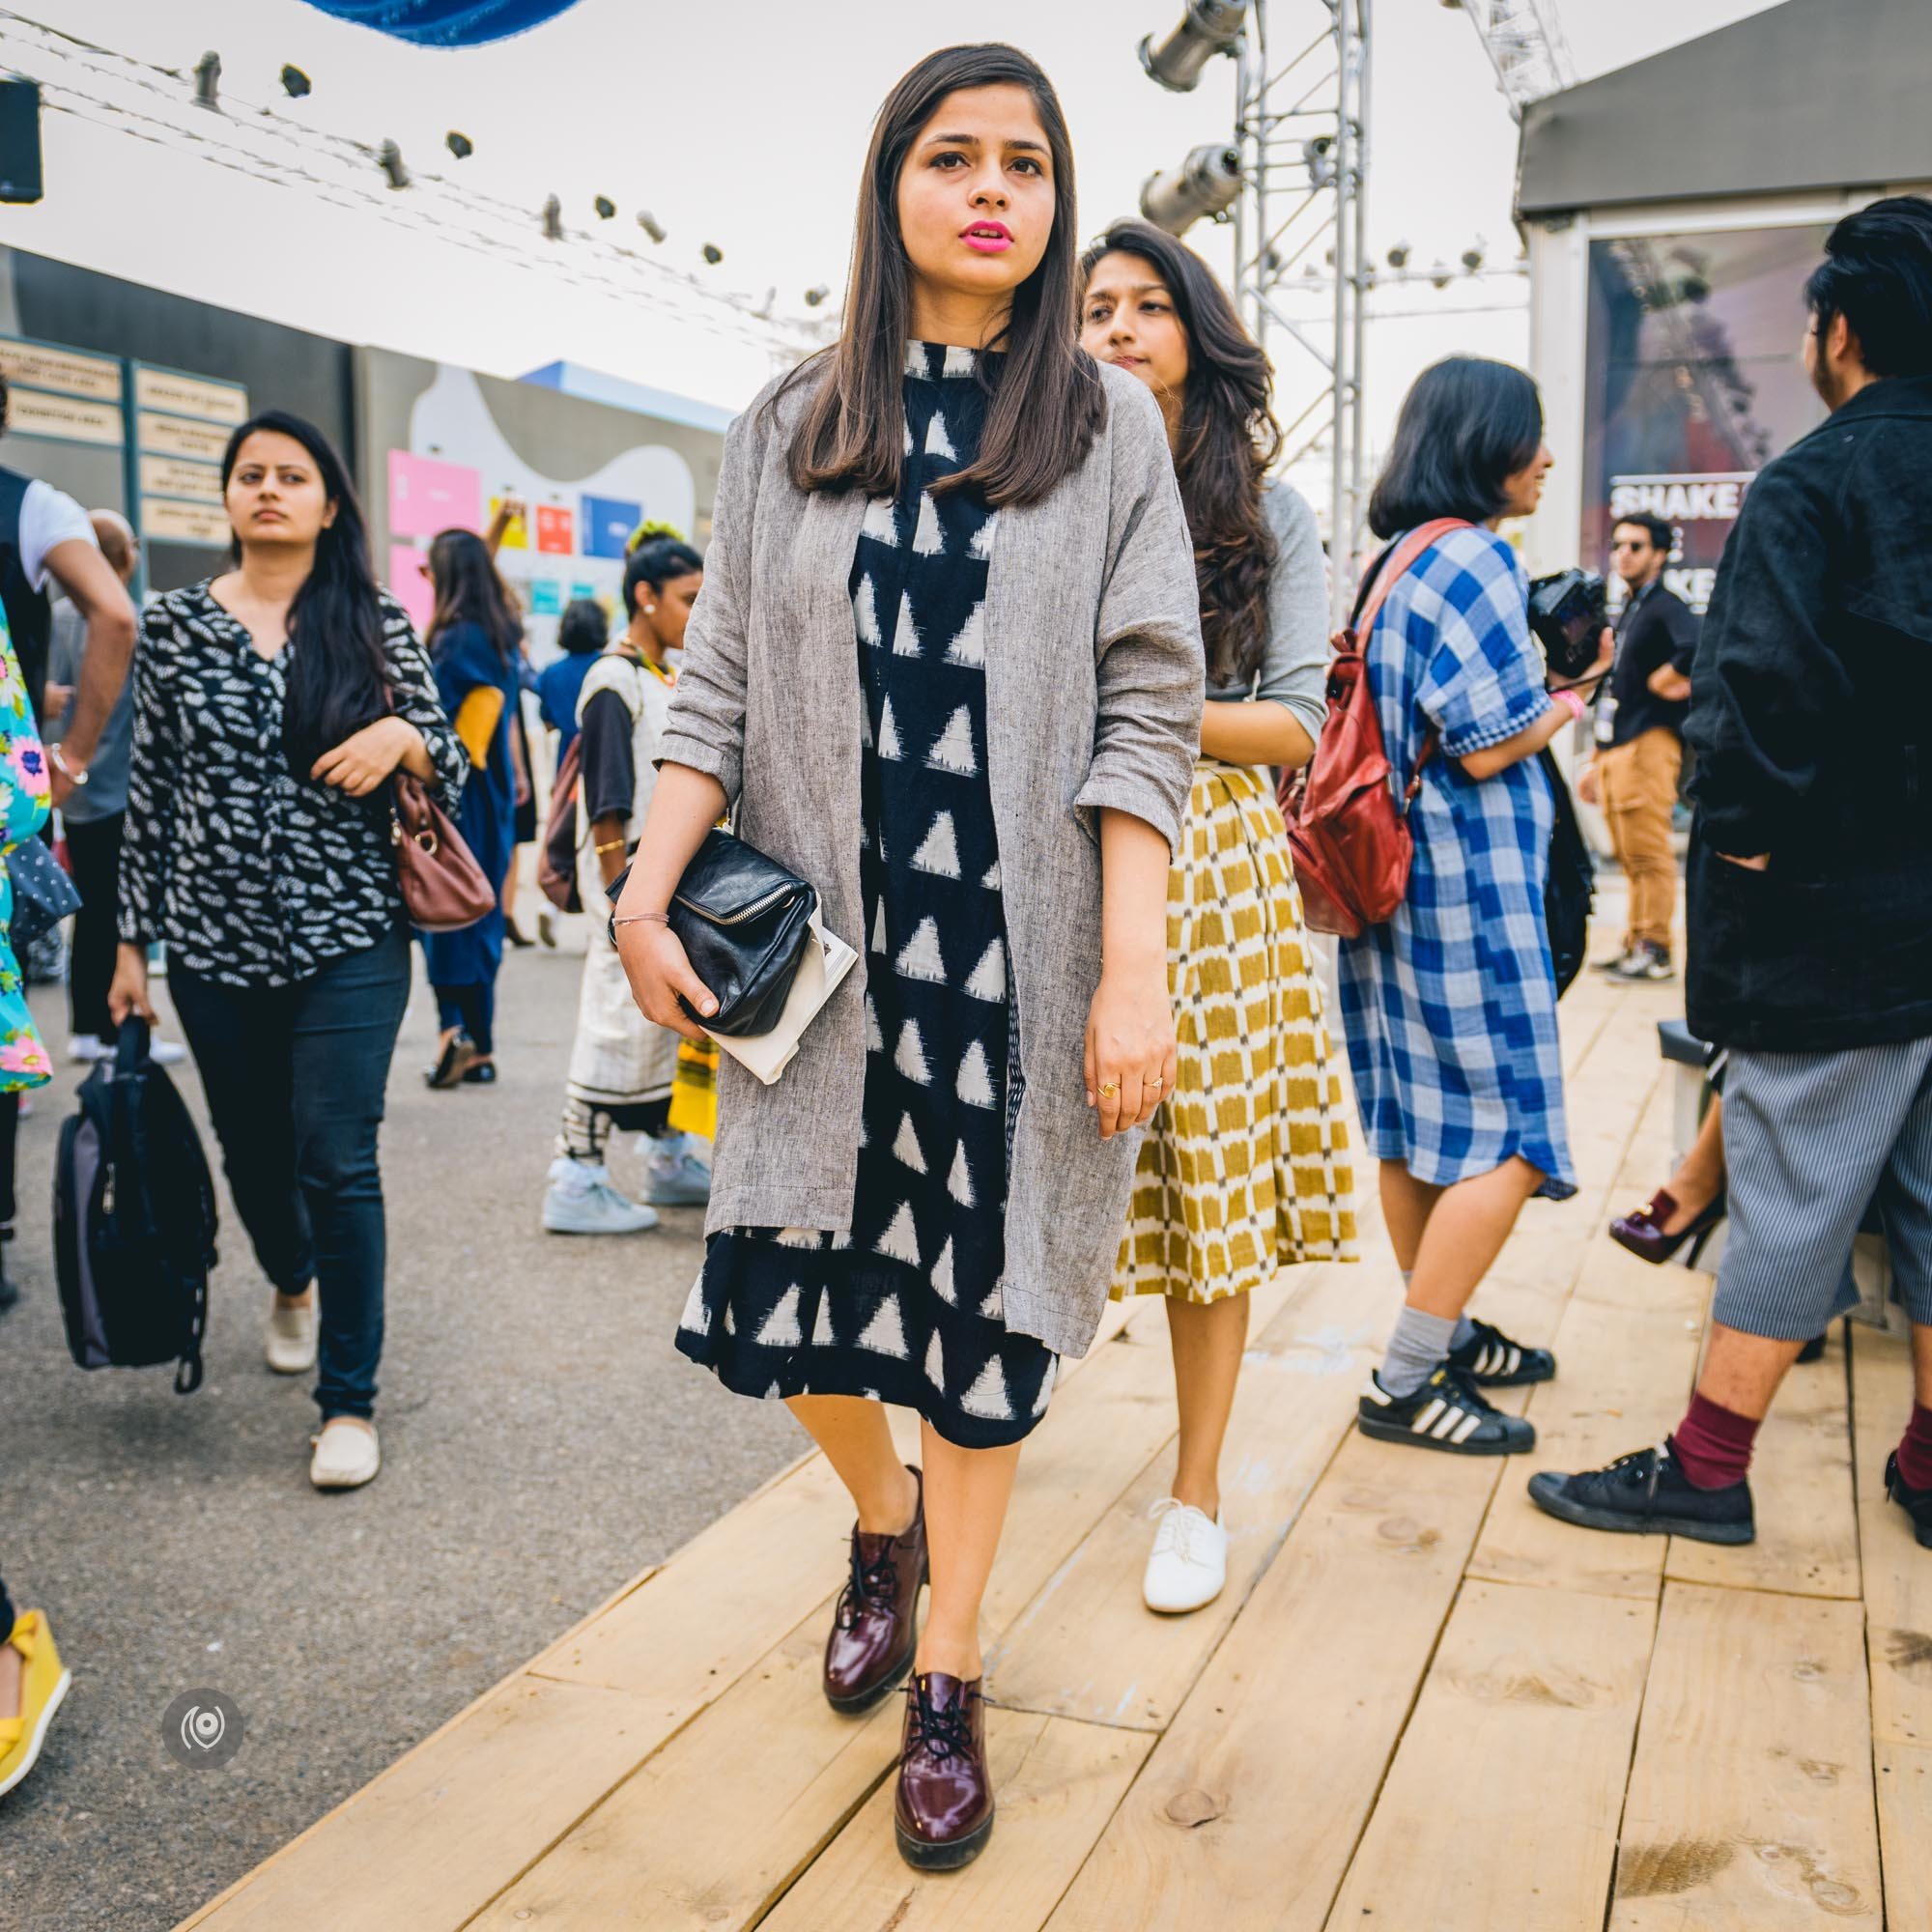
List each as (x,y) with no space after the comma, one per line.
(447,23)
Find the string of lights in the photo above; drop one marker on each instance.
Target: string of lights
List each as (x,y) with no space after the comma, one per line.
(256,139)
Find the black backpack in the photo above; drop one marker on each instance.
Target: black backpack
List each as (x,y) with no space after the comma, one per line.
(1572,888)
(134,1219)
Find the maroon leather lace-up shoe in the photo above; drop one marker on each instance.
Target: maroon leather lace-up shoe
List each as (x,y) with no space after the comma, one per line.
(942,1813)
(875,1627)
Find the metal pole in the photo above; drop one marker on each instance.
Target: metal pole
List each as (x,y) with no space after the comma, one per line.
(1358,441)
(1340,502)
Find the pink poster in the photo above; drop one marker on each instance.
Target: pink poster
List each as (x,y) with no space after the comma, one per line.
(426,496)
(409,585)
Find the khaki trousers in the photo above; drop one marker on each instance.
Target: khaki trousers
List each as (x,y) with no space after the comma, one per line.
(1638,783)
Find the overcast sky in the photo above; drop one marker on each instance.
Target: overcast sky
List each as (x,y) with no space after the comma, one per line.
(740,124)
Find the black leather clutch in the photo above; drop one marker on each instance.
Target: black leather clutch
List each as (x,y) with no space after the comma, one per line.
(741,920)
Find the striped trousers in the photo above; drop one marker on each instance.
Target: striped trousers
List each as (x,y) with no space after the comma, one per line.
(1810,1141)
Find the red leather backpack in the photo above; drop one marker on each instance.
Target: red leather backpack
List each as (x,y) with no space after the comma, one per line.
(1346,828)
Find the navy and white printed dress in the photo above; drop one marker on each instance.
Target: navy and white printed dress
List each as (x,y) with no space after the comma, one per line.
(907,1308)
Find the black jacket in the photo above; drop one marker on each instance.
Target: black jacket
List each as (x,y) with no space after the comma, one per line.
(1811,725)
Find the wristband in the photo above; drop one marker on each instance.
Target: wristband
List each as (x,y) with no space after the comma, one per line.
(79,777)
(1572,701)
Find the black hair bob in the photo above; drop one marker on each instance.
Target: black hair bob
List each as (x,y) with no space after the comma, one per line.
(1466,426)
(583,629)
(656,562)
(1877,273)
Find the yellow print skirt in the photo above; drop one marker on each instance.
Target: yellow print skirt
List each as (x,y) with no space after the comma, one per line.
(1246,1167)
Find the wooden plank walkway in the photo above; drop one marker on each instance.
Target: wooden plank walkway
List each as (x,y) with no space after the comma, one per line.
(1420,1705)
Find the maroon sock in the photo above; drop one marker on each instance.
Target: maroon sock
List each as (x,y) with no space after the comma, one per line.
(1914,1449)
(1712,1444)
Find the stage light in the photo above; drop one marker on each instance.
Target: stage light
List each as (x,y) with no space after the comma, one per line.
(1397,256)
(295,83)
(713,254)
(813,296)
(1207,28)
(605,207)
(1320,154)
(459,145)
(650,224)
(1439,275)
(208,81)
(1472,258)
(1205,183)
(553,220)
(389,158)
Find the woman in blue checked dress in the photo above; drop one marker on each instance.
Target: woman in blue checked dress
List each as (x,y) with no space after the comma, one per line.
(1450,1008)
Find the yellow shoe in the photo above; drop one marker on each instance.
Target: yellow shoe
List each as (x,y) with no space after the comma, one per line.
(44,1684)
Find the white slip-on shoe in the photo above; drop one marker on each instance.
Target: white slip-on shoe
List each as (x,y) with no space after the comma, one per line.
(85,1048)
(1187,1566)
(291,1337)
(346,1454)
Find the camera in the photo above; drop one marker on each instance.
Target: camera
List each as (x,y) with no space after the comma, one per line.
(1568,613)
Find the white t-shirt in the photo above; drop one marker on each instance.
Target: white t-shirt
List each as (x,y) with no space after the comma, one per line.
(48,517)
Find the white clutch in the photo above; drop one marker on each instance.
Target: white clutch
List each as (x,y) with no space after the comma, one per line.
(822,968)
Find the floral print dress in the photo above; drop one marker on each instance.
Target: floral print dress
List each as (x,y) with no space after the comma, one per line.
(25,806)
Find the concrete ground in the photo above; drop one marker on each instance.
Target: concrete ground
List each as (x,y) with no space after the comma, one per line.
(542,1441)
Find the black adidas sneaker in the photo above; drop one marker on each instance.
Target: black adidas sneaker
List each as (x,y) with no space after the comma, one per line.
(1447,1412)
(1646,1494)
(1916,1503)
(1491,1360)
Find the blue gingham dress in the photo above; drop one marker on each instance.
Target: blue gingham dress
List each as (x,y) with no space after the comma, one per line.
(1450,1008)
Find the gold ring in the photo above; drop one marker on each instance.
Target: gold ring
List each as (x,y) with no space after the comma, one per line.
(1108,1089)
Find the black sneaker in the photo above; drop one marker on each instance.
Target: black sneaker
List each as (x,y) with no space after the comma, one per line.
(1448,1412)
(1645,961)
(1646,1494)
(1916,1503)
(1491,1360)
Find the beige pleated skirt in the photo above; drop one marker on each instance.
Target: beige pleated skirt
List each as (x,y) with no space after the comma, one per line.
(1245,1168)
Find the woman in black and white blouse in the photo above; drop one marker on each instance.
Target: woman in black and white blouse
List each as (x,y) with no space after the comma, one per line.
(272,704)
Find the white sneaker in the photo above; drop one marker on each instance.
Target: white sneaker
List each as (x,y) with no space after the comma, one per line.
(580,1201)
(85,1048)
(674,1173)
(346,1454)
(291,1337)
(1188,1564)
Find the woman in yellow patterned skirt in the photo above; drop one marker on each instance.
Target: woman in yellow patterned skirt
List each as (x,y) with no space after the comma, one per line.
(1245,1168)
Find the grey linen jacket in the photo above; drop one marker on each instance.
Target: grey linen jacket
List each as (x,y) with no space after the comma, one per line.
(1093,694)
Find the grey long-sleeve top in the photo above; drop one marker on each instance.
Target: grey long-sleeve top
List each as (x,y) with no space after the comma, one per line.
(1293,669)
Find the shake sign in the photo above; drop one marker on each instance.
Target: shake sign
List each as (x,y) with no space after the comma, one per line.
(1700,508)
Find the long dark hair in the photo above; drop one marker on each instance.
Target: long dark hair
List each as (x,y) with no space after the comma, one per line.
(469,591)
(338,676)
(1228,438)
(1047,405)
(1466,426)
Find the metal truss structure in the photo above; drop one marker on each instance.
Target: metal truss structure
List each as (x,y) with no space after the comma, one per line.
(1526,48)
(1302,134)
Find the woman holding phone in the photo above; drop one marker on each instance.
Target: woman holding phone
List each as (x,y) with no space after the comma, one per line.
(947,665)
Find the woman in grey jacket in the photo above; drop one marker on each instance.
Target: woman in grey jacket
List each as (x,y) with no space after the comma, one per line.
(948,666)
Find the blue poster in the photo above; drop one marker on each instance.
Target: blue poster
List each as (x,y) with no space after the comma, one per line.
(546,597)
(607,523)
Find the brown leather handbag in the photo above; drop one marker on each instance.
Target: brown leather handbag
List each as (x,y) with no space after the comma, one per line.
(444,886)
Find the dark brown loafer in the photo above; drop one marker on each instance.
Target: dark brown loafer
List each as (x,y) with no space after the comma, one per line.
(942,1813)
(875,1627)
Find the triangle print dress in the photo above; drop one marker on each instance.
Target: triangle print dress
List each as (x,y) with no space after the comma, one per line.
(907,1308)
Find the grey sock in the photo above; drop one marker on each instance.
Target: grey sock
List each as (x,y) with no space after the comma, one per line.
(1417,1345)
(1465,1329)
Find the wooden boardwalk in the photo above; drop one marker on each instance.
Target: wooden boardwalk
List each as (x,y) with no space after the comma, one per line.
(1420,1705)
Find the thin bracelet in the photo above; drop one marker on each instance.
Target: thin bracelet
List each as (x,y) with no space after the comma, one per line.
(638,917)
(610,845)
(1575,707)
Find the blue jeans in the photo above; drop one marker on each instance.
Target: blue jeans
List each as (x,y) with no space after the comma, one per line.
(295,1078)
